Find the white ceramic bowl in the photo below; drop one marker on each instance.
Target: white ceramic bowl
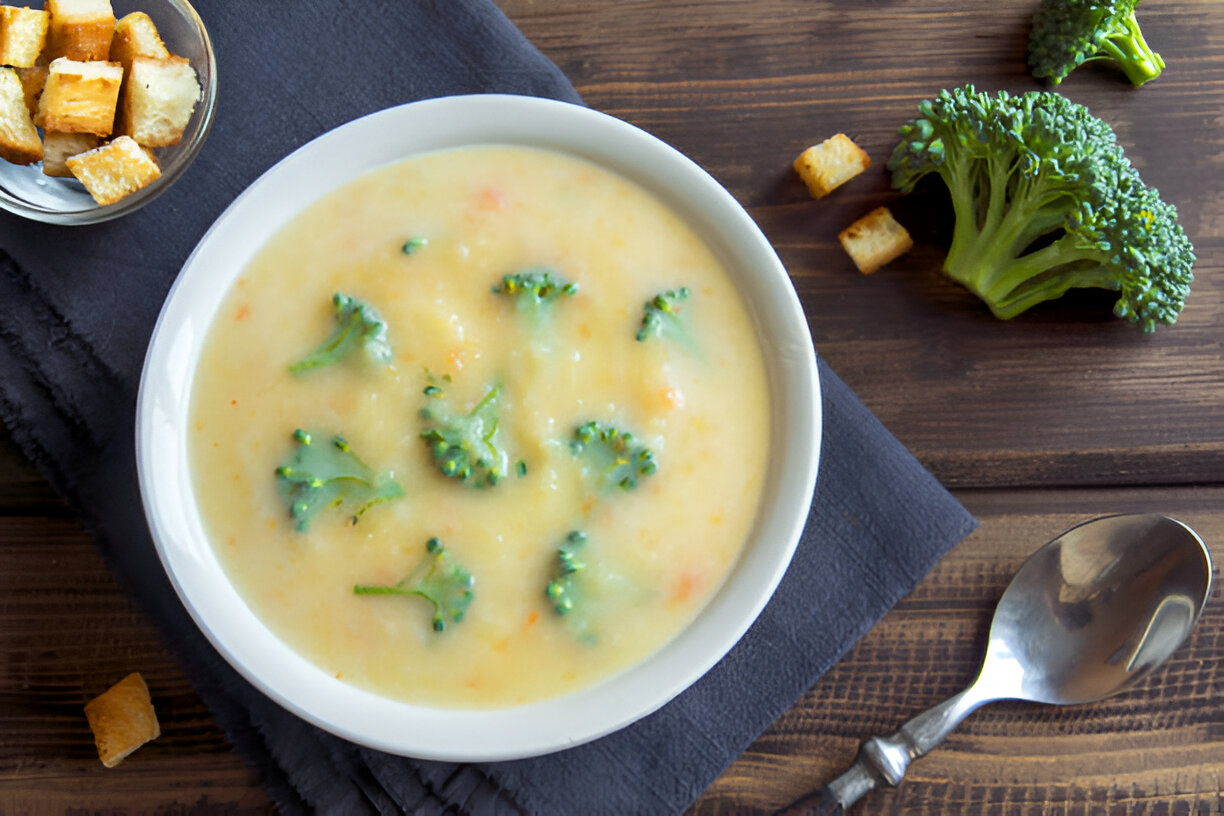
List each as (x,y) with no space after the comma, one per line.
(329,162)
(24,189)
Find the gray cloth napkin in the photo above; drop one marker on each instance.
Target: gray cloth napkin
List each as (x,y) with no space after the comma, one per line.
(77,307)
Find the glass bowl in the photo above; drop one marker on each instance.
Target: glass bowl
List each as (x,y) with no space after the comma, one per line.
(24,189)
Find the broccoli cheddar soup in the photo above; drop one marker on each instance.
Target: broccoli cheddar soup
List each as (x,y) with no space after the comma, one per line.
(479,428)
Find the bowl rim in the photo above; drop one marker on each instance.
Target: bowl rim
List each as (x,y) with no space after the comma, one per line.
(327,162)
(95,213)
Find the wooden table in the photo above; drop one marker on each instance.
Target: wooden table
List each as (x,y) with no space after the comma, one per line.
(1035,424)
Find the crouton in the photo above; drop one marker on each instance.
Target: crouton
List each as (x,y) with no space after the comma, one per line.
(33,79)
(874,240)
(59,147)
(19,141)
(136,36)
(80,29)
(114,170)
(80,97)
(23,33)
(830,164)
(122,719)
(159,96)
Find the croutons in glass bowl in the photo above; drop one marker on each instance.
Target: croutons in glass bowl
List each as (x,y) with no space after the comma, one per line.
(103,104)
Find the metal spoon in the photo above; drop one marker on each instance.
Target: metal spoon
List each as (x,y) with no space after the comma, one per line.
(1086,616)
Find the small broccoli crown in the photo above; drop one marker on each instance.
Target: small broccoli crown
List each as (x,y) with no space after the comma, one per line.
(359,326)
(535,288)
(439,579)
(1068,33)
(562,590)
(1044,201)
(614,457)
(661,314)
(465,445)
(329,475)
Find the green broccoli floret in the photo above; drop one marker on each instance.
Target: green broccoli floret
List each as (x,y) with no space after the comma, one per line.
(1045,201)
(329,475)
(439,579)
(535,290)
(574,593)
(562,589)
(465,446)
(359,326)
(662,315)
(1068,33)
(613,457)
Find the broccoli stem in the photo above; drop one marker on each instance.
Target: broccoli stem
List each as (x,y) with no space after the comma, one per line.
(1131,51)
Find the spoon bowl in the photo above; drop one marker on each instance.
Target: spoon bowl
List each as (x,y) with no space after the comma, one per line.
(1097,609)
(1085,617)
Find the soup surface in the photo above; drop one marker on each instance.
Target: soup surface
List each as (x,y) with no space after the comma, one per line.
(635,543)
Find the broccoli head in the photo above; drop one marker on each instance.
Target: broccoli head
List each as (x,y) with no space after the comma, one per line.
(465,445)
(1068,33)
(613,457)
(562,589)
(535,290)
(358,326)
(328,475)
(446,584)
(1044,201)
(662,315)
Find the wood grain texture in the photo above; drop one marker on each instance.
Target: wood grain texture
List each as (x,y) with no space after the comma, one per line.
(1037,423)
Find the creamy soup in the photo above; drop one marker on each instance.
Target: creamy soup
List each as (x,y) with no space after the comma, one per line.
(584,558)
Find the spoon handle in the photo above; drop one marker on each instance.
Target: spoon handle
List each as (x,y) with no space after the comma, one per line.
(884,760)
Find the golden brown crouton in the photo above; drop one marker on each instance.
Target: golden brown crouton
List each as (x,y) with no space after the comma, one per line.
(80,29)
(80,97)
(159,96)
(114,170)
(23,33)
(874,240)
(830,164)
(122,719)
(19,141)
(59,147)
(33,79)
(136,36)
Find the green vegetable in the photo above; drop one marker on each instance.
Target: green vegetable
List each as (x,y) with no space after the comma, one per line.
(465,446)
(360,326)
(534,291)
(1045,201)
(1068,33)
(439,579)
(662,315)
(329,475)
(613,457)
(563,588)
(413,245)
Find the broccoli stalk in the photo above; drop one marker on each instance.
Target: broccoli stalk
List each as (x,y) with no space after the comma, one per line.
(613,457)
(438,579)
(359,326)
(1044,201)
(1068,33)
(465,445)
(320,476)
